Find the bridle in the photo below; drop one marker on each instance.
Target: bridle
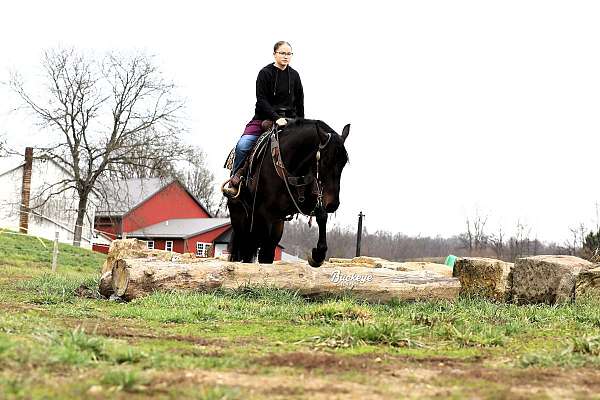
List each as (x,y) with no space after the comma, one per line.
(299,181)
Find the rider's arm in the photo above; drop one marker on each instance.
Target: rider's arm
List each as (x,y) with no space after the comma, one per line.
(263,86)
(299,98)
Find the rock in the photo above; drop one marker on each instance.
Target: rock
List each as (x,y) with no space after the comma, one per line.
(547,279)
(95,389)
(588,283)
(484,277)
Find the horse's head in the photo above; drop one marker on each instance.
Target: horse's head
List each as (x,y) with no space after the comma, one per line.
(333,159)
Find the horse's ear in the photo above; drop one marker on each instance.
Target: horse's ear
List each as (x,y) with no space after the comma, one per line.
(345,132)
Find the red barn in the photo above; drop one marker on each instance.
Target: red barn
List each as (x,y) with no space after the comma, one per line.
(166,215)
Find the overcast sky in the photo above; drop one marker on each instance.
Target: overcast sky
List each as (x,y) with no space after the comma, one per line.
(456,107)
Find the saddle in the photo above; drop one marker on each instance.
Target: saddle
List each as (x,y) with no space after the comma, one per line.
(253,154)
(270,140)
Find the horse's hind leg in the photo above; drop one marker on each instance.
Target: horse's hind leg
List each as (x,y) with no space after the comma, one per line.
(266,255)
(240,247)
(234,248)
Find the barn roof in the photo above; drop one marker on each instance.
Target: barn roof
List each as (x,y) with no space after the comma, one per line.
(124,195)
(180,228)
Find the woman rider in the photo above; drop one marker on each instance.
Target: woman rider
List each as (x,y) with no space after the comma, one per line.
(279,95)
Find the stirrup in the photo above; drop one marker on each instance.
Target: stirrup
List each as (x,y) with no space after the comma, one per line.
(228,191)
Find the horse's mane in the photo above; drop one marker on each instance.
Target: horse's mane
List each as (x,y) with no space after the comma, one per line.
(300,122)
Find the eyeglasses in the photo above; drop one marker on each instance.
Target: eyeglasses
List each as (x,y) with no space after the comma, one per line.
(283,53)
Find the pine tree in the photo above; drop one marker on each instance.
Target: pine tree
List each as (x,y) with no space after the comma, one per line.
(591,247)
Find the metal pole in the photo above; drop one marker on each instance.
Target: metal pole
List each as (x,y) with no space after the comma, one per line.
(55,252)
(359,233)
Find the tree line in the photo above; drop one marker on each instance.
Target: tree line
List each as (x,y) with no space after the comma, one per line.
(475,241)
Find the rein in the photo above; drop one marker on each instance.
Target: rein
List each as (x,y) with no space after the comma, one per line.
(300,181)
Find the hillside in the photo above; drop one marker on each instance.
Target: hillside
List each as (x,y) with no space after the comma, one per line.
(59,340)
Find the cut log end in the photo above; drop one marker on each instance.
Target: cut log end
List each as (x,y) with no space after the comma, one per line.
(120,279)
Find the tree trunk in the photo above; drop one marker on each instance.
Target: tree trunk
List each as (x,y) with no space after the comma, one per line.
(81,210)
(135,277)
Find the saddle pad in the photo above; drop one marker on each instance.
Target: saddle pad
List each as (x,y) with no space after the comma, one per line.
(258,148)
(230,159)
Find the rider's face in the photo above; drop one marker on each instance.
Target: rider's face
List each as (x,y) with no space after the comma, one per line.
(283,56)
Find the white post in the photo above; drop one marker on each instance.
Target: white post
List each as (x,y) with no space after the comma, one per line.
(55,252)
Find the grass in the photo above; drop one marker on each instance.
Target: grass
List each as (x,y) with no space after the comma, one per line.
(224,340)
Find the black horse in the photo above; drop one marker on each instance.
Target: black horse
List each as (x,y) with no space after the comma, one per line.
(299,173)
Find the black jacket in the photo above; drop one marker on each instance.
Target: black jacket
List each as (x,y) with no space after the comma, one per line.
(276,89)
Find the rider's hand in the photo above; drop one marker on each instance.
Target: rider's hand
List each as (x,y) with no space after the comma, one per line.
(281,122)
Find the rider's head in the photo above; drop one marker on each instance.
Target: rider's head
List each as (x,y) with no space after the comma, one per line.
(282,52)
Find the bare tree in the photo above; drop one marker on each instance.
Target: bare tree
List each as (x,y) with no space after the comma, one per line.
(575,244)
(572,243)
(496,242)
(199,179)
(102,115)
(518,244)
(190,169)
(475,240)
(466,238)
(147,161)
(480,237)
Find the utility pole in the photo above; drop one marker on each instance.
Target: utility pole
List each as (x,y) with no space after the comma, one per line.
(359,233)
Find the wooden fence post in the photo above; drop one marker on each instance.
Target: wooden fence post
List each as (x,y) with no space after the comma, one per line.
(55,252)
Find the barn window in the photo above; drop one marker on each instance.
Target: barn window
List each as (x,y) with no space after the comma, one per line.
(202,249)
(169,245)
(150,244)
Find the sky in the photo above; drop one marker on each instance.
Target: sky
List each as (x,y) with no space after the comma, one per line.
(458,108)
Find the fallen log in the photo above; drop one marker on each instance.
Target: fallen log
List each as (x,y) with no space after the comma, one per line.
(135,277)
(376,262)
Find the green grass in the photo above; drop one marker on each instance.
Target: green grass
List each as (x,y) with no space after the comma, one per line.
(122,379)
(142,348)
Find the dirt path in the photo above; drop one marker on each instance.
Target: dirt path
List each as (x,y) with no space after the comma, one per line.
(405,381)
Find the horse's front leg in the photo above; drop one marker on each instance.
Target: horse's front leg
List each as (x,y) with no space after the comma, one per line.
(318,253)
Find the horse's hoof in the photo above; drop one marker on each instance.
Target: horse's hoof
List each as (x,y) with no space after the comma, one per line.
(313,263)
